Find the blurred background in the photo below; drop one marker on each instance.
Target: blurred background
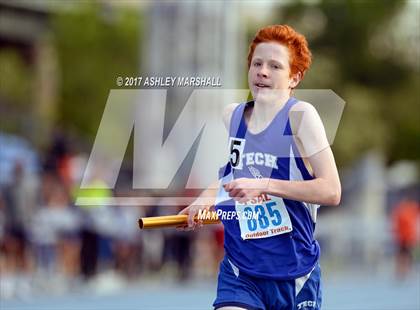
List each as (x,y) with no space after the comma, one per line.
(58,62)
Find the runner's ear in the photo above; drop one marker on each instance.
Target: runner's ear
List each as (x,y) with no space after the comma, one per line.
(295,79)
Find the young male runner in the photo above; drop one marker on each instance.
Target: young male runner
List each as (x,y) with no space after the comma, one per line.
(281,168)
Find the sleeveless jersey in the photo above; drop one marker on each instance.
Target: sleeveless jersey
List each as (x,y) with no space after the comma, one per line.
(277,241)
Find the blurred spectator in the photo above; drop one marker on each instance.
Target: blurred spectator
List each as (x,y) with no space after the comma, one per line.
(12,149)
(406,219)
(97,228)
(178,248)
(127,242)
(56,153)
(55,232)
(154,243)
(19,205)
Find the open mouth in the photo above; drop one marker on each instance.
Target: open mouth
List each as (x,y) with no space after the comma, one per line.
(262,85)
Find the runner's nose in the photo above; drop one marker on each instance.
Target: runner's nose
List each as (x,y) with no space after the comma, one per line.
(263,71)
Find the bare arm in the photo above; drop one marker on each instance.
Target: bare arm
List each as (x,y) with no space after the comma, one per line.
(324,189)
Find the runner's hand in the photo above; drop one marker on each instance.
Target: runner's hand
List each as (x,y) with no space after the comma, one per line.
(192,210)
(244,189)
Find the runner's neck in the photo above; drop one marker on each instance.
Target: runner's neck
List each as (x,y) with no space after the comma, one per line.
(263,113)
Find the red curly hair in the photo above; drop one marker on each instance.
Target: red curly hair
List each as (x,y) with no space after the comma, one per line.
(300,55)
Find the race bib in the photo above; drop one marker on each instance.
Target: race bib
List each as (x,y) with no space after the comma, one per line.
(263,217)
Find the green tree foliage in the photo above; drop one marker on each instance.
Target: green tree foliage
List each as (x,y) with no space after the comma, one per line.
(15,89)
(95,45)
(361,51)
(14,82)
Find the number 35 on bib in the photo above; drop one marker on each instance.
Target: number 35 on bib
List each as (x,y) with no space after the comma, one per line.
(265,219)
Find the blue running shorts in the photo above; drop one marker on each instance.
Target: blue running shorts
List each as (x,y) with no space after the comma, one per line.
(240,290)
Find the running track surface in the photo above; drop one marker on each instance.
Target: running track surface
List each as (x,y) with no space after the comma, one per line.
(343,293)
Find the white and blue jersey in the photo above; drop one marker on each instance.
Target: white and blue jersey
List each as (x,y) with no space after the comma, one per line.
(278,244)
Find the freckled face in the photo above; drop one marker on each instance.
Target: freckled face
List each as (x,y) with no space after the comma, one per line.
(269,70)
